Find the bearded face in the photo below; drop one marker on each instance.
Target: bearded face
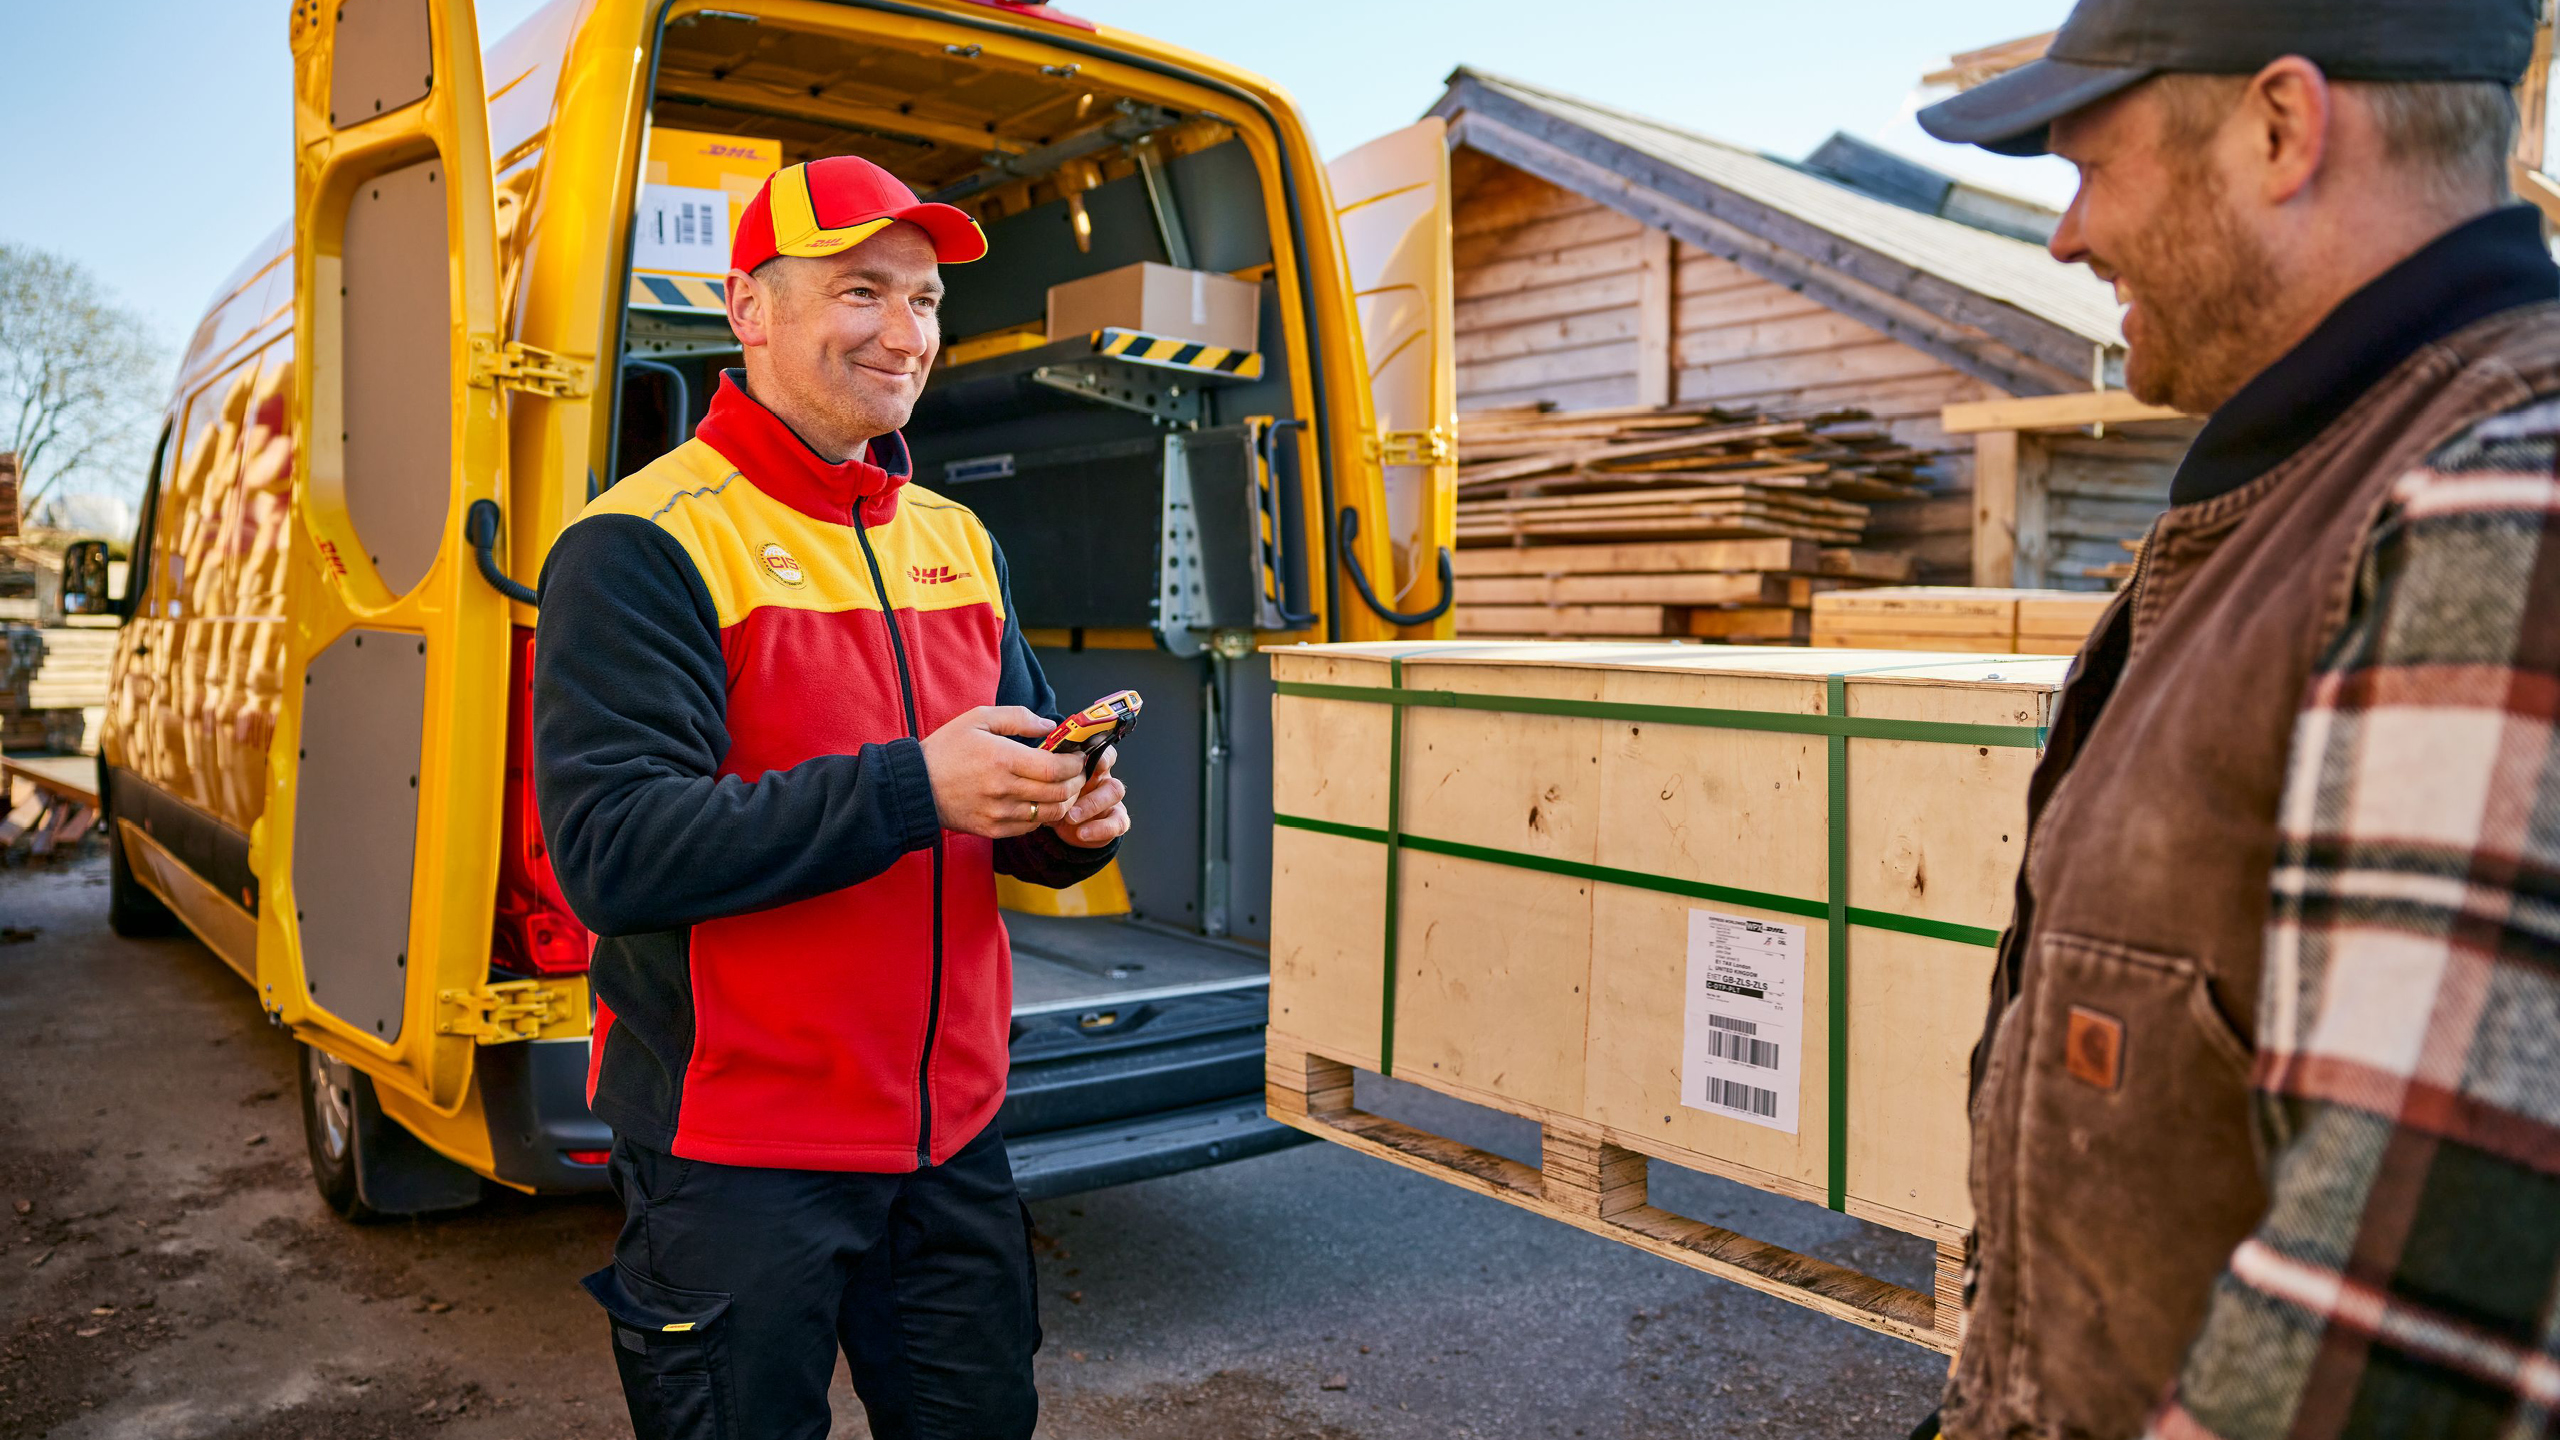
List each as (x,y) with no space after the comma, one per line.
(2199,289)
(2204,309)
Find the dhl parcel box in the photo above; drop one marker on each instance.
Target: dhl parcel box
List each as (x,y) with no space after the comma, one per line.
(691,194)
(1195,305)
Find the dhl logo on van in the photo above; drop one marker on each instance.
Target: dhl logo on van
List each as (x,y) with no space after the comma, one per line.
(935,574)
(732,152)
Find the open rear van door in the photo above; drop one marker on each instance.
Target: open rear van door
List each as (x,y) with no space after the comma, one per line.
(1391,198)
(379,848)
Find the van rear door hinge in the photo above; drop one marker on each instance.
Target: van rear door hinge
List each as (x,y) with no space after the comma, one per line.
(530,368)
(1413,447)
(501,1011)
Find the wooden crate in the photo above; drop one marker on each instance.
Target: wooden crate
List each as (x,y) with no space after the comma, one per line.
(1488,864)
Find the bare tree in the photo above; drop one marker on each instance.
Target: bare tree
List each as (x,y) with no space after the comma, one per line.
(79,379)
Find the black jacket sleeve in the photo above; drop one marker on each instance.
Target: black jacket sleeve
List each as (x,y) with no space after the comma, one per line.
(1039,858)
(629,725)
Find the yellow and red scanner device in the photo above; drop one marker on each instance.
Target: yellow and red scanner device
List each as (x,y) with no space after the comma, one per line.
(1096,727)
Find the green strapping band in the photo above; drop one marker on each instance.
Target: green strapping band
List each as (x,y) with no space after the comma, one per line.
(1659,884)
(2017,737)
(1395,819)
(1835,724)
(1835,701)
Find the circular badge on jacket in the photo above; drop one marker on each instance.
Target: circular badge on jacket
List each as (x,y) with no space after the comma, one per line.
(779,564)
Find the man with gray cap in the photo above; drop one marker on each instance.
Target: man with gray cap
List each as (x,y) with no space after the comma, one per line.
(2267,1110)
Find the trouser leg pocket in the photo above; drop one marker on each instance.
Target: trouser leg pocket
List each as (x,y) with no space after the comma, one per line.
(669,1345)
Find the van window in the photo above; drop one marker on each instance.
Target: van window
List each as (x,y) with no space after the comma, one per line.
(138,569)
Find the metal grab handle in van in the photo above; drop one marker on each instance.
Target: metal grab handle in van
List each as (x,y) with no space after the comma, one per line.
(1350,531)
(679,404)
(480,527)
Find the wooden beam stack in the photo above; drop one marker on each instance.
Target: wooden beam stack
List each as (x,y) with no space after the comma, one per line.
(53,686)
(1740,591)
(1687,522)
(1959,618)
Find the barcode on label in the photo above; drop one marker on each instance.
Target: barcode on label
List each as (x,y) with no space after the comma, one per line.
(1734,1095)
(1760,1054)
(1727,1022)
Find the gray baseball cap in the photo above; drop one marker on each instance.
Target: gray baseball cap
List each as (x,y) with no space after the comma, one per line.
(2110,45)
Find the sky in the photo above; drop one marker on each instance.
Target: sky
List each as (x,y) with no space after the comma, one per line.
(155,147)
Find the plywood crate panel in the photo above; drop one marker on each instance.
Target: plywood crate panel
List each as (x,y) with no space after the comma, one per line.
(1552,832)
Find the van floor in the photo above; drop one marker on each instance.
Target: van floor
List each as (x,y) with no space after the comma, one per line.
(1061,963)
(170,1272)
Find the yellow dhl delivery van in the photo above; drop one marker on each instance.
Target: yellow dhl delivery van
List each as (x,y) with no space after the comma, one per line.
(500,292)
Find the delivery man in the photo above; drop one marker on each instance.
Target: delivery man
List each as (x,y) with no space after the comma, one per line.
(2266,1119)
(775,687)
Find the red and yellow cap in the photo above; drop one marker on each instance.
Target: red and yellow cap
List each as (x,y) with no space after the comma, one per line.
(825,207)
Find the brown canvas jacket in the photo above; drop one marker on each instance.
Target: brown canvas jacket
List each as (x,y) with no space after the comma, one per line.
(2114,1168)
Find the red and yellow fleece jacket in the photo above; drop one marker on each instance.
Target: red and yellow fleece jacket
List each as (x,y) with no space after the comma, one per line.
(740,649)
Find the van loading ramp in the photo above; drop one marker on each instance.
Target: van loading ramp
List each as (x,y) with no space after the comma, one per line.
(1137,1052)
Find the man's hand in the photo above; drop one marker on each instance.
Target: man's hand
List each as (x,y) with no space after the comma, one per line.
(1098,816)
(985,784)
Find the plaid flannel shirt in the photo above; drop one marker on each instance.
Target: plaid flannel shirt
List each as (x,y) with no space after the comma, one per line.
(2406,1277)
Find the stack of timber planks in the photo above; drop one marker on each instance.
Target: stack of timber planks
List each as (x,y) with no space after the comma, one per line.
(53,686)
(1958,618)
(1729,909)
(1640,521)
(1739,591)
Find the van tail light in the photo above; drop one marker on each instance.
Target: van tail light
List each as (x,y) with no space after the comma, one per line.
(535,932)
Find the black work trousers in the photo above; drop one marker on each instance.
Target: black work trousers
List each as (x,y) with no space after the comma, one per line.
(732,1288)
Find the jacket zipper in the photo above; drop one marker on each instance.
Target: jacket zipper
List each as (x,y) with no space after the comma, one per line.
(915,730)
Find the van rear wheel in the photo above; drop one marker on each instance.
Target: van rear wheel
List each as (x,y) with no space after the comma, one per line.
(132,912)
(365,1164)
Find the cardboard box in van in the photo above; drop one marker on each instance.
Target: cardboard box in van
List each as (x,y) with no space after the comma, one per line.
(1195,305)
(692,192)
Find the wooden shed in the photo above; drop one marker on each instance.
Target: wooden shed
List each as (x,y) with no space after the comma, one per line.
(1606,259)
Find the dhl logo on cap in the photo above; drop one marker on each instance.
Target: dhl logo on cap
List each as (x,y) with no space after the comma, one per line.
(825,207)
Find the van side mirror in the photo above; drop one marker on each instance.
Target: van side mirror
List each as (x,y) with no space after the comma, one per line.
(85,580)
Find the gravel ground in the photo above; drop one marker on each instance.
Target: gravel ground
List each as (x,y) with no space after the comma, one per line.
(167,1271)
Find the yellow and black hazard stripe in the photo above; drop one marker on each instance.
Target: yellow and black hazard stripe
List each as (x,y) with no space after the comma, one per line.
(1266,505)
(1174,354)
(678,292)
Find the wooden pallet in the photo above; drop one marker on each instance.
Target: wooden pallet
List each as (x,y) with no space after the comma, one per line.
(1587,1177)
(42,807)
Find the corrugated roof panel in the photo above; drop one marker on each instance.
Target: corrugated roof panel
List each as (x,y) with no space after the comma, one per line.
(2013,272)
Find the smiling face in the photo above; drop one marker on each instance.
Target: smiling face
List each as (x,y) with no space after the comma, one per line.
(839,347)
(2154,217)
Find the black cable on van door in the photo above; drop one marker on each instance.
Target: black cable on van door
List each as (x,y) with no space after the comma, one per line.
(480,527)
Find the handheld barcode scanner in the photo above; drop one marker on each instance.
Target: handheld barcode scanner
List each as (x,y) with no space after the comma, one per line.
(1096,727)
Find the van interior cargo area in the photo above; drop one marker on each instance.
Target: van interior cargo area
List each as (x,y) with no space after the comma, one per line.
(1132,499)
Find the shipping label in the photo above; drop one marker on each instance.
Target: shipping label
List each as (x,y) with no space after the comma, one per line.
(684,230)
(1742,1046)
